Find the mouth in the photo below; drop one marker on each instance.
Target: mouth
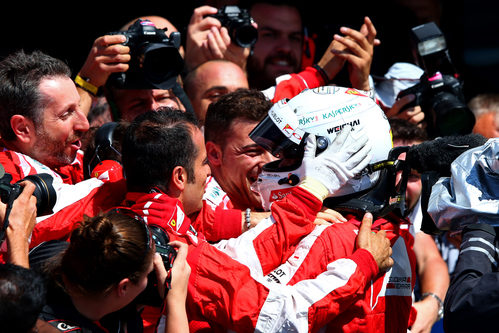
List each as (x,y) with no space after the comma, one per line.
(282,62)
(76,144)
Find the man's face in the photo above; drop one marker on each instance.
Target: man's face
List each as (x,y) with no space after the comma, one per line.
(278,49)
(241,163)
(214,79)
(192,197)
(63,124)
(132,102)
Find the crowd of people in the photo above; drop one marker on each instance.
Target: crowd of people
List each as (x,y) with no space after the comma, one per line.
(197,185)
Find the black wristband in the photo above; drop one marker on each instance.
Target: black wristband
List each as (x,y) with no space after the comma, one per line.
(322,72)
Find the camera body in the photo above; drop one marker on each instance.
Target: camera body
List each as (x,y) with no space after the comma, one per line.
(440,91)
(44,193)
(238,22)
(155,60)
(150,295)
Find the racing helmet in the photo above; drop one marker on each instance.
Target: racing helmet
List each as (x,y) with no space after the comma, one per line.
(322,112)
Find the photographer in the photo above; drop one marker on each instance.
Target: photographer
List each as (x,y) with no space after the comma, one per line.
(400,76)
(22,290)
(466,203)
(280,44)
(112,70)
(105,266)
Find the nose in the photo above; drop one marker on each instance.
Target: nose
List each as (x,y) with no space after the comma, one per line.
(284,44)
(81,122)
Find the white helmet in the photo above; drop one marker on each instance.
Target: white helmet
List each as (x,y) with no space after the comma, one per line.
(322,112)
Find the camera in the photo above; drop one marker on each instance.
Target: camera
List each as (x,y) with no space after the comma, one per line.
(44,193)
(238,23)
(440,91)
(155,60)
(150,295)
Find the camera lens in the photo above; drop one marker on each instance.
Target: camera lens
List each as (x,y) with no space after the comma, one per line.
(44,193)
(245,36)
(453,117)
(160,62)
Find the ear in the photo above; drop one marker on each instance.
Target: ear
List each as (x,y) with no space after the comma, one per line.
(214,153)
(178,180)
(122,287)
(23,128)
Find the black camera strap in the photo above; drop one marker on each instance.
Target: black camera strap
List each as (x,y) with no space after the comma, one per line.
(6,218)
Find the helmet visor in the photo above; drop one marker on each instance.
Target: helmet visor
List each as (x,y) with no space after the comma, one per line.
(268,135)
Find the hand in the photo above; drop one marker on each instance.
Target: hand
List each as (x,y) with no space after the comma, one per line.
(329,216)
(375,242)
(427,314)
(207,40)
(344,158)
(107,55)
(179,274)
(196,50)
(358,52)
(255,217)
(174,305)
(22,220)
(414,114)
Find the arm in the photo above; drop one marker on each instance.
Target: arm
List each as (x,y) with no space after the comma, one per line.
(472,301)
(106,56)
(434,278)
(413,114)
(247,301)
(356,49)
(174,304)
(21,222)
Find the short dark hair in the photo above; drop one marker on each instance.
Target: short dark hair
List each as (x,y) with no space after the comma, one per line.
(405,131)
(22,297)
(154,144)
(20,77)
(242,104)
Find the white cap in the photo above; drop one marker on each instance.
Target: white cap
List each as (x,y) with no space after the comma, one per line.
(400,76)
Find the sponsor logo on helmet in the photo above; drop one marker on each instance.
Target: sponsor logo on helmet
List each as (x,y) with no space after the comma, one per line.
(340,127)
(307,120)
(351,91)
(277,120)
(340,111)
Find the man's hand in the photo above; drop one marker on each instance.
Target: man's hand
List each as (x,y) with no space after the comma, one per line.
(107,55)
(427,313)
(344,158)
(375,242)
(207,40)
(414,114)
(356,48)
(22,220)
(329,216)
(255,218)
(359,54)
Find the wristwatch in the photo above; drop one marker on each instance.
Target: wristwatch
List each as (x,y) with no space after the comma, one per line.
(440,304)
